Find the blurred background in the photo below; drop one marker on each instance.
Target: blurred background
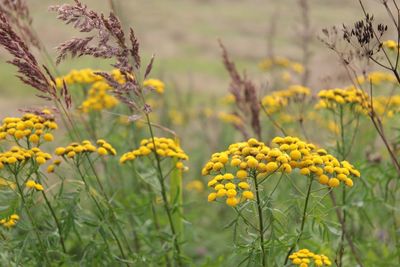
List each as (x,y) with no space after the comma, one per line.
(184,35)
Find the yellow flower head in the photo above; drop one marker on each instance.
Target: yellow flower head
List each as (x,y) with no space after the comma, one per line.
(277,100)
(155,84)
(33,184)
(74,150)
(31,127)
(164,147)
(232,170)
(317,162)
(17,155)
(281,62)
(304,257)
(10,222)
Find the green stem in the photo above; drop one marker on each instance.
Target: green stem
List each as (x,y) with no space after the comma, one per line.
(53,214)
(28,212)
(260,220)
(177,197)
(303,221)
(164,195)
(56,221)
(101,212)
(114,217)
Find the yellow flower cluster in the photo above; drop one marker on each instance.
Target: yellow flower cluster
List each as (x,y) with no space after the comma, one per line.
(359,101)
(317,162)
(157,85)
(98,98)
(10,221)
(33,184)
(176,117)
(228,99)
(75,149)
(83,76)
(233,169)
(282,62)
(195,185)
(164,147)
(386,105)
(29,126)
(377,77)
(230,118)
(52,166)
(18,155)
(391,45)
(279,99)
(303,258)
(333,98)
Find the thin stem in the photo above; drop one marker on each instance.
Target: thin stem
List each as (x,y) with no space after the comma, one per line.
(56,221)
(114,217)
(303,220)
(342,145)
(35,228)
(157,225)
(101,212)
(260,220)
(272,120)
(164,194)
(344,229)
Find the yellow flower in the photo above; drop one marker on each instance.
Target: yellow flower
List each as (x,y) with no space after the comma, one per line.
(157,85)
(195,185)
(164,147)
(303,257)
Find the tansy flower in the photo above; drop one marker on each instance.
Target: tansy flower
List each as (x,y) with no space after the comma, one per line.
(9,222)
(391,45)
(33,184)
(164,147)
(98,96)
(230,118)
(75,150)
(195,185)
(281,62)
(233,169)
(304,257)
(355,99)
(157,85)
(277,100)
(31,127)
(18,155)
(317,162)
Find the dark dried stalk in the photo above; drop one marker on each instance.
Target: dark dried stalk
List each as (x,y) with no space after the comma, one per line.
(17,13)
(245,94)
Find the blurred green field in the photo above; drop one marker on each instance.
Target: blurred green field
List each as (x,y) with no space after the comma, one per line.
(183,35)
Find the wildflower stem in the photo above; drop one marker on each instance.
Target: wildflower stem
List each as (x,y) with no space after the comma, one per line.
(157,225)
(303,220)
(114,217)
(28,212)
(101,212)
(164,194)
(260,220)
(56,221)
(272,120)
(344,229)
